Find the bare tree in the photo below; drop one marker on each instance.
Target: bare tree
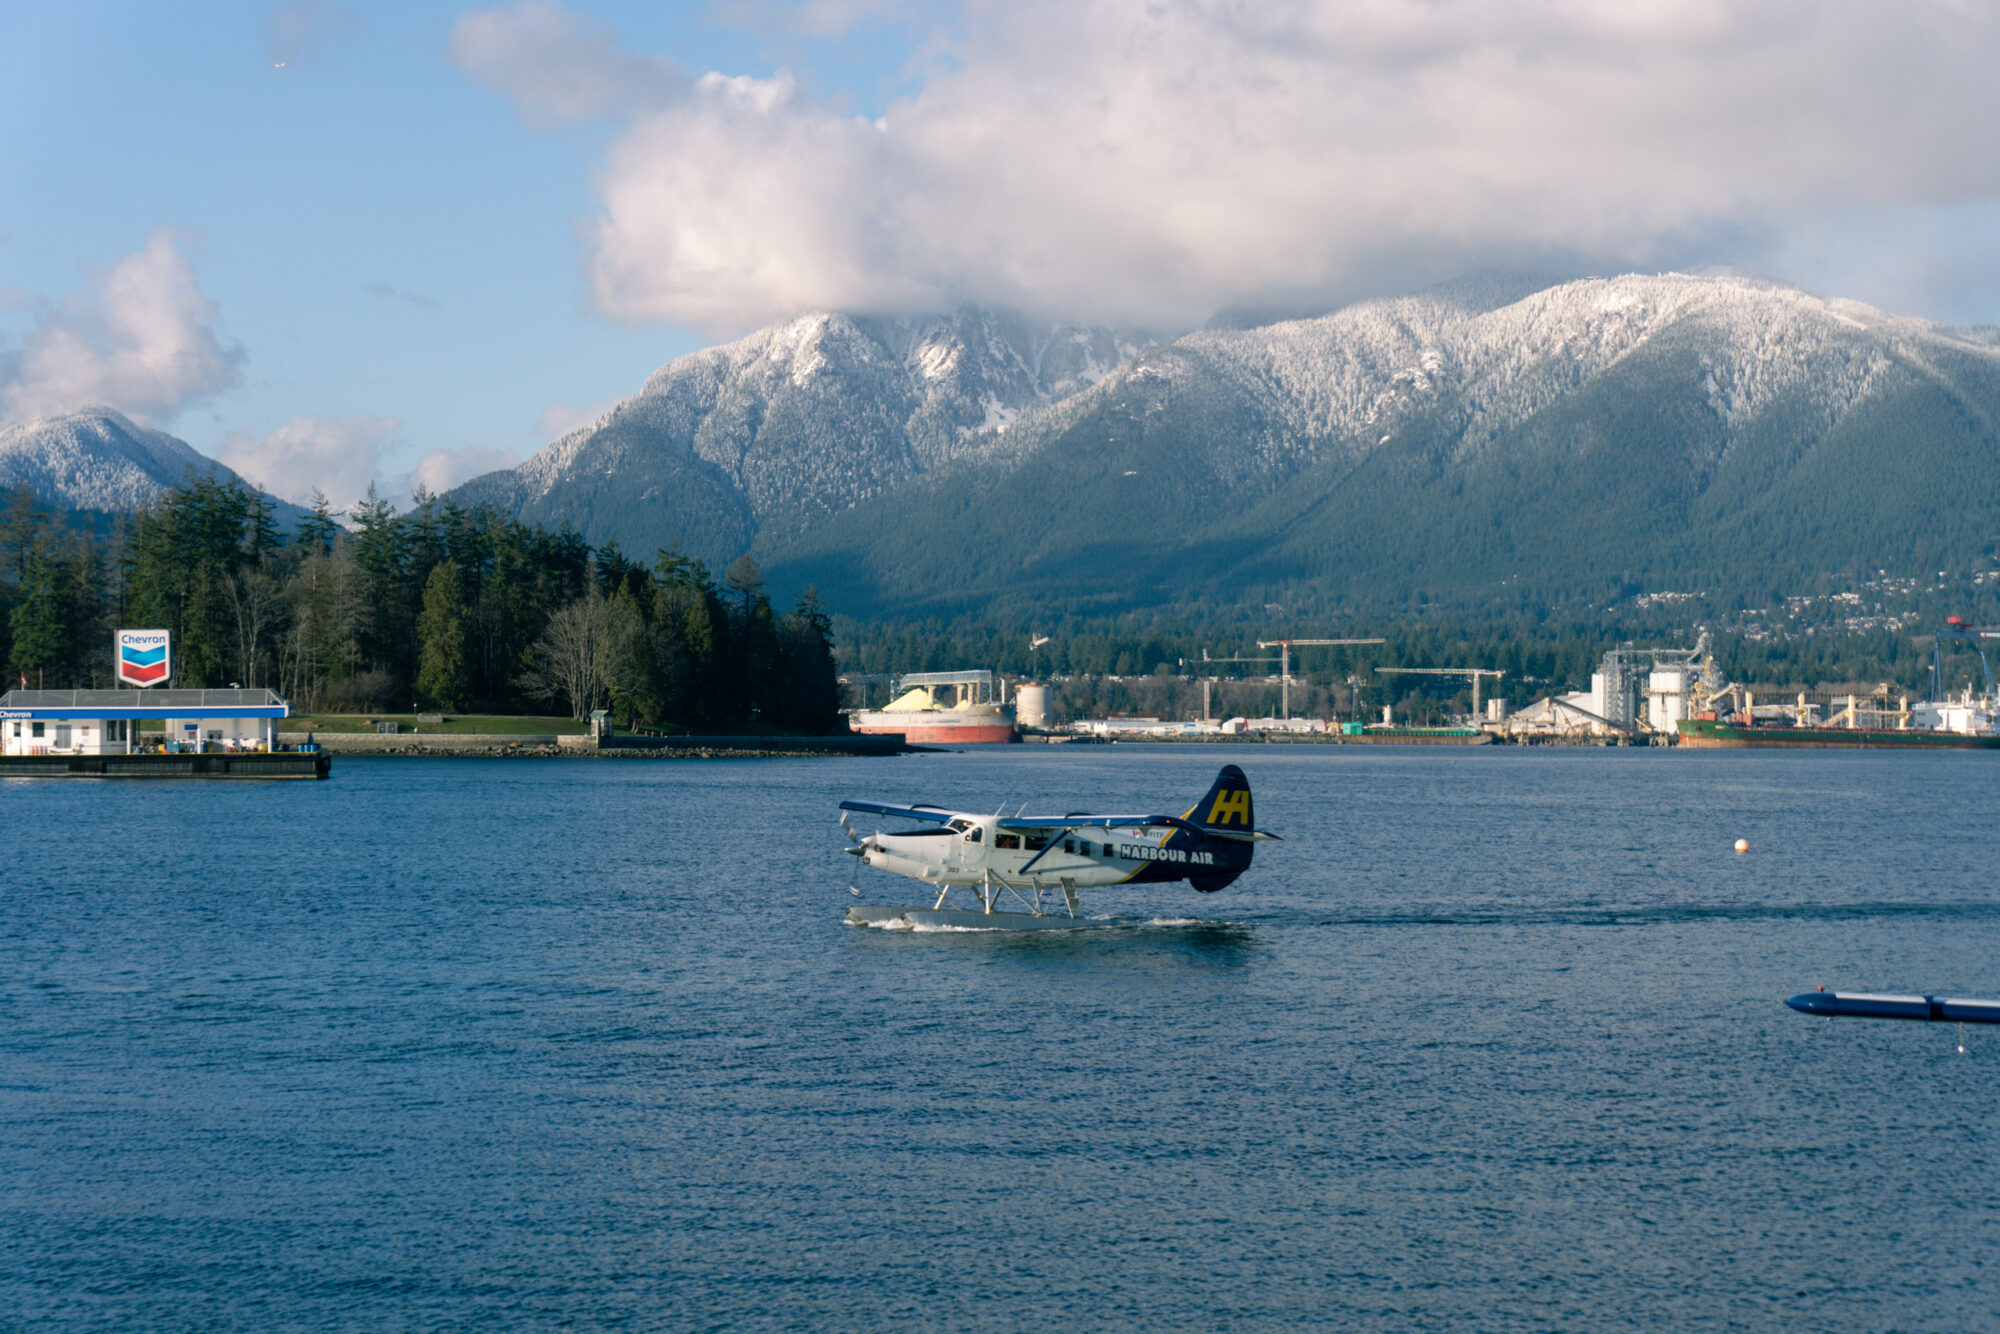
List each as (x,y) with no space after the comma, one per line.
(256,599)
(574,659)
(745,578)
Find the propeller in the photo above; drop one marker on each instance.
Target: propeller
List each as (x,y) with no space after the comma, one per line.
(854,846)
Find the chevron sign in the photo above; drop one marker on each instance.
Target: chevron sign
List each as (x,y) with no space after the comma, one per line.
(143,657)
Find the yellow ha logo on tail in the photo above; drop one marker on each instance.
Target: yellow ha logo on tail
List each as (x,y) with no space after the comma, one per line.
(1230,807)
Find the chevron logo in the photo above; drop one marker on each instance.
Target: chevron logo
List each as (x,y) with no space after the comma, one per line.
(143,659)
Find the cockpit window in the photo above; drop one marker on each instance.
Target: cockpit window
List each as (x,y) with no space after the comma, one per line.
(975,835)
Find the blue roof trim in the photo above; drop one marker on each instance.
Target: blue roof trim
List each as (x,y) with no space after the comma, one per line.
(72,715)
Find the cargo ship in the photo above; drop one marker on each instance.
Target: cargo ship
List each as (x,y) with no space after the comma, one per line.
(1965,724)
(974,715)
(1703,732)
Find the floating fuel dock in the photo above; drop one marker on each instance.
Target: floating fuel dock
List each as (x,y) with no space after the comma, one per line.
(98,734)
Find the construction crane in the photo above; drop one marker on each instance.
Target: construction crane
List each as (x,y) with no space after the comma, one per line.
(1955,628)
(1285,647)
(1474,672)
(1208,681)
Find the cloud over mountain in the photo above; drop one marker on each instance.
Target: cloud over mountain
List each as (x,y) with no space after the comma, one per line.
(338,456)
(147,342)
(1107,160)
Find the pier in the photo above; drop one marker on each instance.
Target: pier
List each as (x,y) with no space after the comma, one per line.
(153,764)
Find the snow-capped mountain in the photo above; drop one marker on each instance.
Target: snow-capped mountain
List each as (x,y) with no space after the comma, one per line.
(1589,434)
(1347,381)
(1494,433)
(764,438)
(99,459)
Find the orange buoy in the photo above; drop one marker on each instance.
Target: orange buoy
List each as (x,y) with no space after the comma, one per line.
(1743,845)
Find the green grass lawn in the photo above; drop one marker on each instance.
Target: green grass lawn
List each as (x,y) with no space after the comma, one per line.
(453,722)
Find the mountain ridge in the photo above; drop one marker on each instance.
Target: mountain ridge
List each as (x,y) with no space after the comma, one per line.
(1484,442)
(97,459)
(1501,434)
(773,433)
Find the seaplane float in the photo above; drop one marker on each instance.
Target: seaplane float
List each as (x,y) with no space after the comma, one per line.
(1022,872)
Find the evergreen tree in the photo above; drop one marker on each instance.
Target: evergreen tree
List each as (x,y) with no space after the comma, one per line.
(811,692)
(180,554)
(444,670)
(318,530)
(381,551)
(21,528)
(42,618)
(86,602)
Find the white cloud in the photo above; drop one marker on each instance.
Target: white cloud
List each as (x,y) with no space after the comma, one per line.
(559,67)
(339,456)
(390,292)
(559,419)
(813,18)
(1154,162)
(305,31)
(147,342)
(442,469)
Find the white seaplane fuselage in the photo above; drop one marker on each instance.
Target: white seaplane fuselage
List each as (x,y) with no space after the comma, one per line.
(974,851)
(1019,858)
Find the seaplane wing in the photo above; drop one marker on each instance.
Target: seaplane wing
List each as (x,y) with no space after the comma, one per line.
(1024,855)
(1085,821)
(931,814)
(1135,822)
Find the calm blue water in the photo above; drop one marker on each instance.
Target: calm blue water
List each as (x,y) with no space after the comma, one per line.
(1494,1040)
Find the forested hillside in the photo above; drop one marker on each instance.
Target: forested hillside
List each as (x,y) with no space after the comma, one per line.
(444,607)
(767,437)
(1560,453)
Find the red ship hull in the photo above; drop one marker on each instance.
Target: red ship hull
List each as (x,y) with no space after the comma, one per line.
(920,731)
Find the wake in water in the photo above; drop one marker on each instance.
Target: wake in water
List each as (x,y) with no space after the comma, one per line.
(1667,914)
(1099,922)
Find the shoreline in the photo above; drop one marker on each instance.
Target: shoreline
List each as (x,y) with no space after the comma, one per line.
(545,745)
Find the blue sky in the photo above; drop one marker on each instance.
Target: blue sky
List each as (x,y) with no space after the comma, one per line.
(382,236)
(333,241)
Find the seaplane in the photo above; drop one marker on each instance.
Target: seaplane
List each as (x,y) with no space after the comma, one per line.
(1022,872)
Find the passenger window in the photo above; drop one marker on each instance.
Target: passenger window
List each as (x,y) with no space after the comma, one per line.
(1006,841)
(1068,846)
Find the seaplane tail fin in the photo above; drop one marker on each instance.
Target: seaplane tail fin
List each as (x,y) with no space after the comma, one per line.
(1226,807)
(1225,811)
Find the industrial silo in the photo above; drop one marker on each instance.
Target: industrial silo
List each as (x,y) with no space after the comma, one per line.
(1031,705)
